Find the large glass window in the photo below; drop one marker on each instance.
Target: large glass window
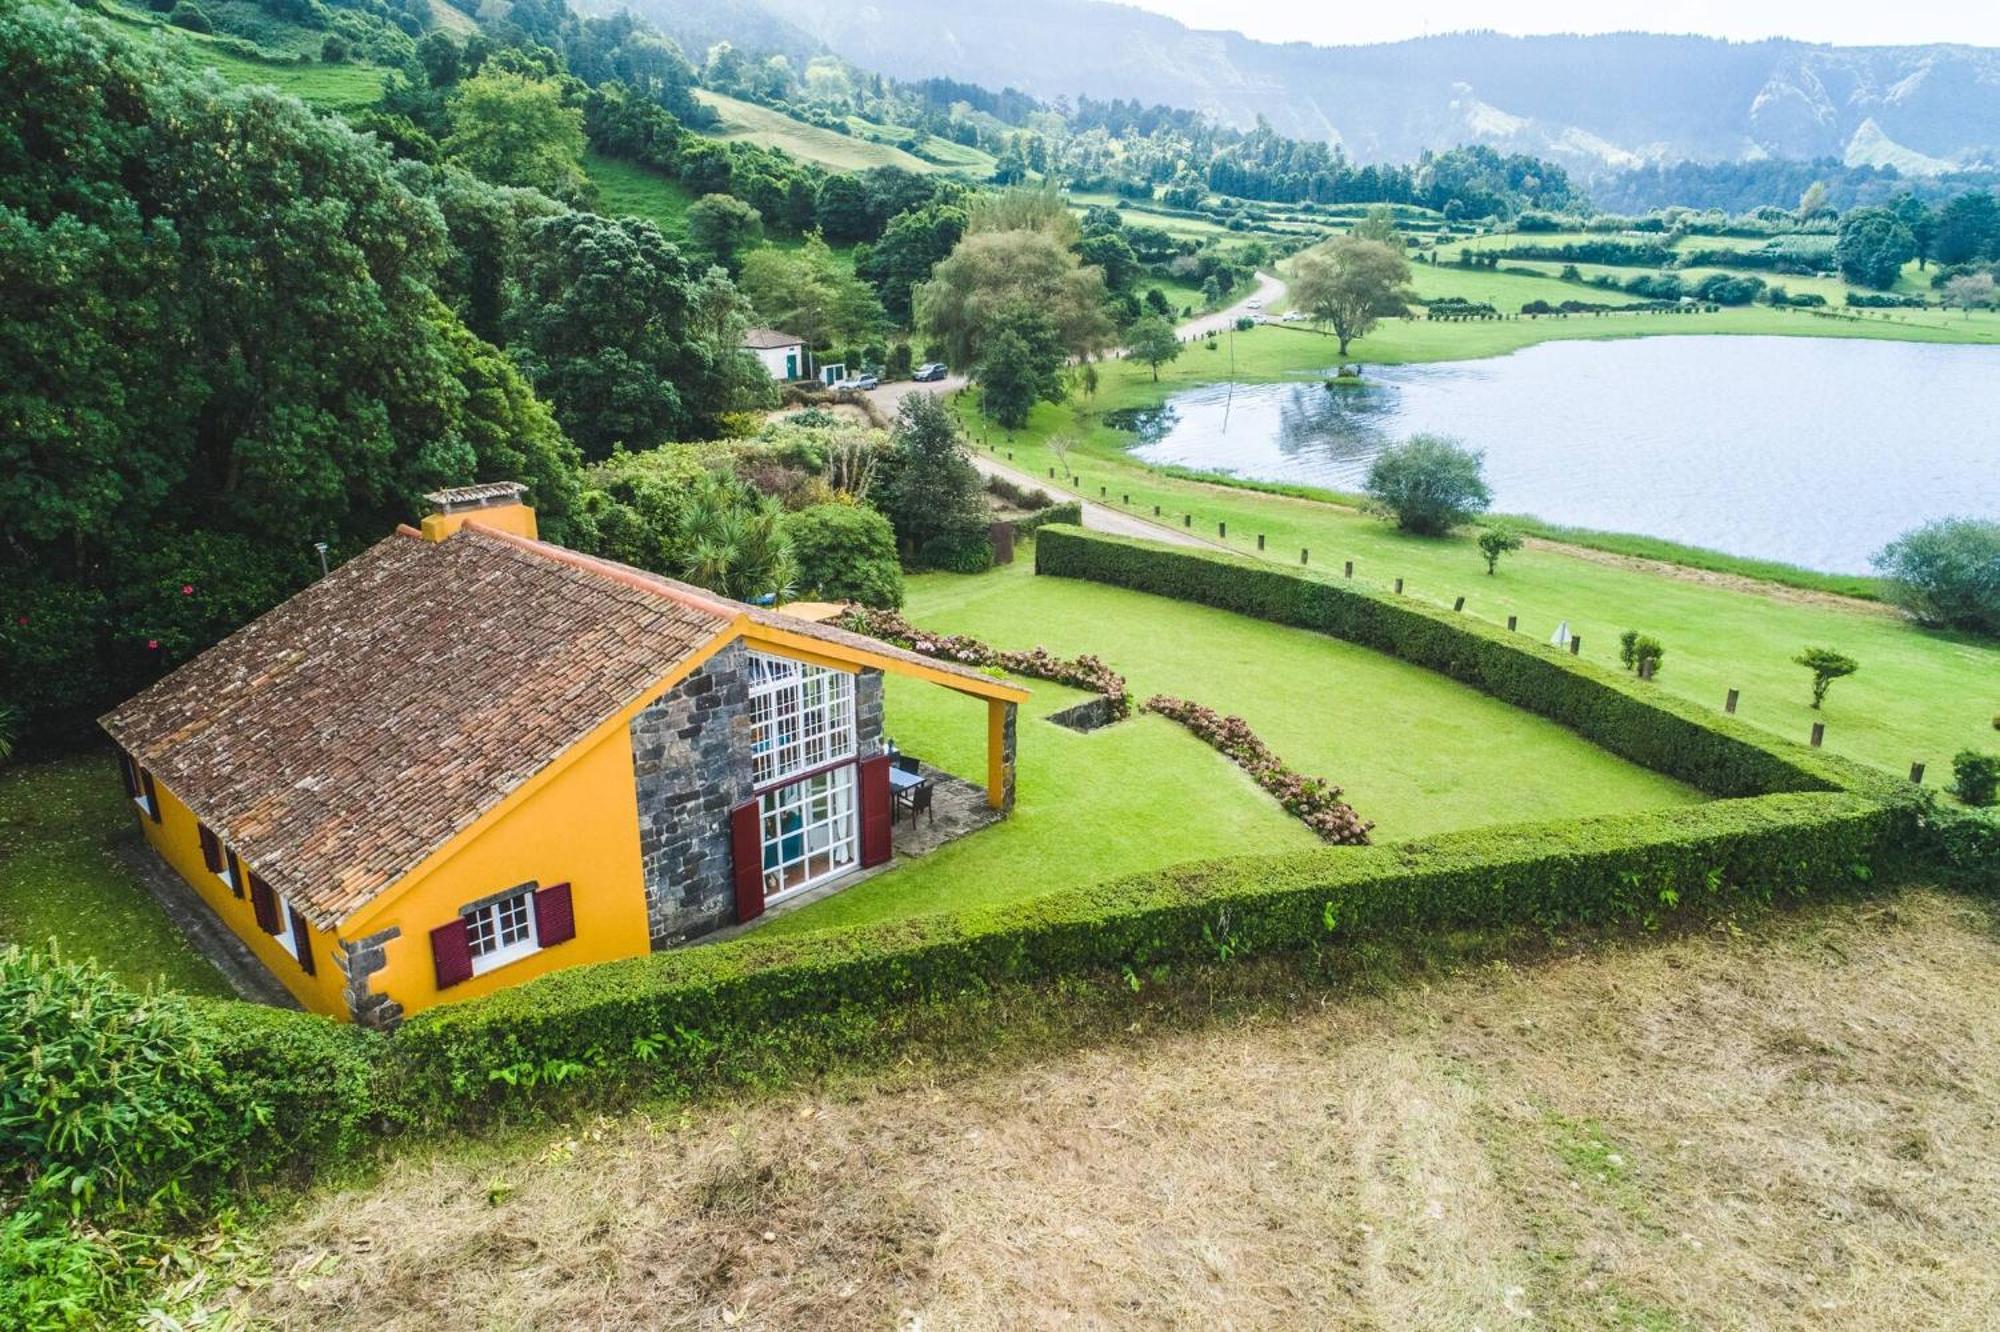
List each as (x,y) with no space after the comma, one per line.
(801,716)
(808,831)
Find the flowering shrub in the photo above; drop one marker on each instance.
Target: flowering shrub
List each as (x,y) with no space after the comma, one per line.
(1084,672)
(1310,800)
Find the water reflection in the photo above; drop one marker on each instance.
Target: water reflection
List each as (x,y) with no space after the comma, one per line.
(1811,450)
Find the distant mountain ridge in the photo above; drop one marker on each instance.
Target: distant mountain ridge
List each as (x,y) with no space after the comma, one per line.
(1592,103)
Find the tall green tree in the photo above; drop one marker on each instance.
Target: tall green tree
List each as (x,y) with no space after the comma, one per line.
(1153,341)
(806,292)
(934,497)
(510,129)
(1968,228)
(602,324)
(210,359)
(723,227)
(909,247)
(1872,246)
(1349,284)
(990,275)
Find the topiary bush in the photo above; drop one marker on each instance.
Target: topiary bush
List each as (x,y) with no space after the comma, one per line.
(845,552)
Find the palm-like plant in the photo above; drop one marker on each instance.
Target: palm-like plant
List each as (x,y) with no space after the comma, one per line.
(735,540)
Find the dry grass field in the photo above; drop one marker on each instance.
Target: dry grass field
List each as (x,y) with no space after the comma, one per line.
(1798,1127)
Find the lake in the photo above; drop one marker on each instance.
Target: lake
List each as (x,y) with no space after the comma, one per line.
(1814,451)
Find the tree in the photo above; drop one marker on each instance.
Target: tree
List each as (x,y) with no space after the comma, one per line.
(1946,574)
(1153,341)
(990,275)
(1915,214)
(513,130)
(603,326)
(1349,284)
(1008,380)
(1379,224)
(909,247)
(1826,666)
(1429,484)
(1495,542)
(1872,246)
(178,432)
(807,292)
(1975,777)
(722,227)
(1968,228)
(934,497)
(1969,292)
(845,552)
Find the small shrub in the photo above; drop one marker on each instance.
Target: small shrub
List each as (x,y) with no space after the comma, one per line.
(188,15)
(1976,776)
(845,552)
(1827,665)
(334,50)
(1429,484)
(1495,542)
(1628,649)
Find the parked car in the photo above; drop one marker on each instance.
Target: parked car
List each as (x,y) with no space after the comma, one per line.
(1292,316)
(866,382)
(930,372)
(1253,305)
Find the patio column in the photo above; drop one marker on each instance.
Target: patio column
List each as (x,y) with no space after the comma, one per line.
(1000,754)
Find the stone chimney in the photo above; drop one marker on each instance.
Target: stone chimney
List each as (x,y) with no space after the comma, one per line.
(495,504)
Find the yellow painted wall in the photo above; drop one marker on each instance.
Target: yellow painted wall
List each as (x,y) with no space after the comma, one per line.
(177,839)
(581,827)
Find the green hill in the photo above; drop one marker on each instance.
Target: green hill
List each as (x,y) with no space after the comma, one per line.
(809,143)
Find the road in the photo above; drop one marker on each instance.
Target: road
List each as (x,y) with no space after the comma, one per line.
(1099,517)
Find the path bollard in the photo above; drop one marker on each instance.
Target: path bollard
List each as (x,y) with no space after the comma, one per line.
(1260,541)
(1916,774)
(1187,520)
(1729,704)
(1512,620)
(1156,510)
(1399,587)
(1819,733)
(1126,500)
(1302,554)
(1458,605)
(1222,530)
(1646,668)
(1575,644)
(1347,571)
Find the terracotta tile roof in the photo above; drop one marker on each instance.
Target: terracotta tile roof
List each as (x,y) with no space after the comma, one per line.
(339,740)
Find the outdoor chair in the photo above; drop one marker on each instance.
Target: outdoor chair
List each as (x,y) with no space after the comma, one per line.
(920,802)
(909,763)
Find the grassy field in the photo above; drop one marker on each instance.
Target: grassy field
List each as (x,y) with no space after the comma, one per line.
(1919,696)
(1416,753)
(628,189)
(63,827)
(1787,1128)
(346,88)
(774,129)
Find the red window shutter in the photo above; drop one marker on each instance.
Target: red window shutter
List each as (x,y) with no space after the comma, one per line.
(152,797)
(746,851)
(265,903)
(236,873)
(555,920)
(451,953)
(878,810)
(211,849)
(128,772)
(302,942)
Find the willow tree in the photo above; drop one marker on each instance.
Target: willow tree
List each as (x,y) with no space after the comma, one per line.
(992,275)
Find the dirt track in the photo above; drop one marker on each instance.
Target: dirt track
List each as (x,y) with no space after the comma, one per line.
(1792,1131)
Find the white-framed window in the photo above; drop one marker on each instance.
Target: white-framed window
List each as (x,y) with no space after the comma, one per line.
(801,716)
(810,832)
(287,935)
(499,931)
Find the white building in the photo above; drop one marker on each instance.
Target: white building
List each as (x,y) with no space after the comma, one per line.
(783,354)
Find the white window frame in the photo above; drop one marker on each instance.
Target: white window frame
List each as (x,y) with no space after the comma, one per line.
(287,936)
(228,871)
(826,808)
(802,717)
(139,798)
(498,911)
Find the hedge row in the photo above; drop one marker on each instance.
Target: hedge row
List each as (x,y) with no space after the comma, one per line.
(1633,719)
(679,1012)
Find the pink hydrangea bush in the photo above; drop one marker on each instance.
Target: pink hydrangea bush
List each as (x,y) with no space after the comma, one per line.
(1311,800)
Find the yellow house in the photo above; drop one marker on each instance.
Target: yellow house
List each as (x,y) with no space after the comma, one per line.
(468,757)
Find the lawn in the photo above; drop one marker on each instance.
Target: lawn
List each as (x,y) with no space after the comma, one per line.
(1415,752)
(62,825)
(626,189)
(344,88)
(810,143)
(1919,696)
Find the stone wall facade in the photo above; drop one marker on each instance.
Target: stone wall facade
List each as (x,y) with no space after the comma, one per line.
(359,960)
(692,764)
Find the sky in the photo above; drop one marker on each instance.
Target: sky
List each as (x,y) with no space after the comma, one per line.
(1844,22)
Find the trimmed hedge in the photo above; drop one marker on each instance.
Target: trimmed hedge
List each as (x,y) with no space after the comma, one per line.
(1713,752)
(684,1014)
(1070,514)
